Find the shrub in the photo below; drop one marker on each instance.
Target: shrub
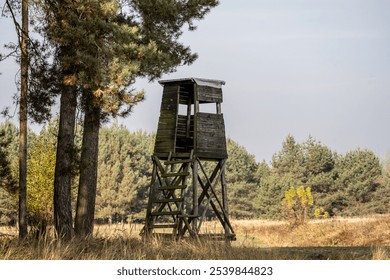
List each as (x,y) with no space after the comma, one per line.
(320,213)
(296,203)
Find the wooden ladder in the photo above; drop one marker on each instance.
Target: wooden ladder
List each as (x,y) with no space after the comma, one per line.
(166,213)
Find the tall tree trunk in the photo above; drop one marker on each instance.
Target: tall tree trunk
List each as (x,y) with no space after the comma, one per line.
(85,210)
(64,161)
(23,125)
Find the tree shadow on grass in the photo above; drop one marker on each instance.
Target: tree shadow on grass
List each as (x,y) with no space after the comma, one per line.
(317,253)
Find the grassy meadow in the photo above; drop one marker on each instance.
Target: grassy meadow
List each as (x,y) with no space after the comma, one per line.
(365,238)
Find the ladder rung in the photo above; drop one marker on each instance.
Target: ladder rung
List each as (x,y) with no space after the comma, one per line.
(163,226)
(189,216)
(221,237)
(174,187)
(161,213)
(166,200)
(181,155)
(175,174)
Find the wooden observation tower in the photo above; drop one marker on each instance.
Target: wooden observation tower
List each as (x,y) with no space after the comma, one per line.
(188,182)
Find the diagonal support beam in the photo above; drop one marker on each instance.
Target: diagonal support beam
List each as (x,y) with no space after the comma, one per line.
(210,184)
(220,166)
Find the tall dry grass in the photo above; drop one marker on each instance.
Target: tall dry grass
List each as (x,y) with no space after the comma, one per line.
(369,231)
(359,238)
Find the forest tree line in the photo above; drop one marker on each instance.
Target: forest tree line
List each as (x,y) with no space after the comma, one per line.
(351,184)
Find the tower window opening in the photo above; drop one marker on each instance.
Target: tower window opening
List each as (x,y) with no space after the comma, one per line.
(208,108)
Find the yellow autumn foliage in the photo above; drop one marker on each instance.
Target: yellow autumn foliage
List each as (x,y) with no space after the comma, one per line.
(296,203)
(40,179)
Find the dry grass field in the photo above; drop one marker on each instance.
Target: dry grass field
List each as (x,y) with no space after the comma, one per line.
(358,238)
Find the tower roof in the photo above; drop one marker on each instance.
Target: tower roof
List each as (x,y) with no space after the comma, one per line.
(198,81)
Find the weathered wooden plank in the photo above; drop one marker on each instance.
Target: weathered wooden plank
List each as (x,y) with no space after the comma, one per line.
(164,143)
(187,89)
(182,125)
(181,131)
(163,148)
(166,200)
(167,114)
(165,136)
(180,135)
(165,128)
(204,115)
(207,139)
(211,139)
(209,94)
(211,128)
(167,106)
(221,152)
(165,213)
(167,121)
(208,142)
(167,125)
(162,152)
(184,98)
(171,87)
(182,128)
(170,99)
(182,122)
(212,154)
(211,133)
(163,133)
(210,122)
(211,150)
(175,187)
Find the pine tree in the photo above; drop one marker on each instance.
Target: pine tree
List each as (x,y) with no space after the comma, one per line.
(8,184)
(102,47)
(358,175)
(290,160)
(23,40)
(319,163)
(7,180)
(124,173)
(241,181)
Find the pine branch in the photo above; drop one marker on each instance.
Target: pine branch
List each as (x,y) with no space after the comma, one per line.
(4,57)
(19,31)
(18,28)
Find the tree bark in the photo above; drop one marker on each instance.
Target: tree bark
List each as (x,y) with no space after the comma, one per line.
(23,125)
(85,209)
(64,161)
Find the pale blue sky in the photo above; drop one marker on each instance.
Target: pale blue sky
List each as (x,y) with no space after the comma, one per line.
(299,67)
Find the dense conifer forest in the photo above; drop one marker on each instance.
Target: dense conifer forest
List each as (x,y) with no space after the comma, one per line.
(352,184)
